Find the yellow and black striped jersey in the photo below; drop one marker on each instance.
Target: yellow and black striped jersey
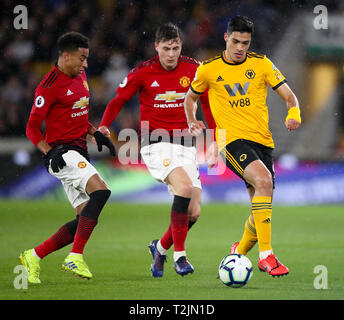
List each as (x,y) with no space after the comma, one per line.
(237,96)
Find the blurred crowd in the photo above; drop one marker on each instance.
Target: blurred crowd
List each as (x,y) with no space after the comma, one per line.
(121,35)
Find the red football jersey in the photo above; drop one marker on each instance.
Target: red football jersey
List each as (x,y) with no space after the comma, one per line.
(161,93)
(63,102)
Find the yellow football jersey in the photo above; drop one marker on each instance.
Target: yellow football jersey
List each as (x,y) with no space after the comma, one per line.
(237,96)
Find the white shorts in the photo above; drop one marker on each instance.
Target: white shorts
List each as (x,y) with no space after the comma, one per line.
(161,158)
(74,177)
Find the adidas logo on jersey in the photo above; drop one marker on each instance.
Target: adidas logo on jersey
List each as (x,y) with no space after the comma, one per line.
(155,84)
(219,79)
(69,92)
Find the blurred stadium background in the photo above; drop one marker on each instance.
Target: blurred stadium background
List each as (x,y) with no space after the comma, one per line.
(309,163)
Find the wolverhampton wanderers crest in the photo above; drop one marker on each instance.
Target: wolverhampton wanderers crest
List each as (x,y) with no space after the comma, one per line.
(243,157)
(250,74)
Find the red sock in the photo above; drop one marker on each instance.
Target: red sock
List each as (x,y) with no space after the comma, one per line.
(60,239)
(179,222)
(83,232)
(167,239)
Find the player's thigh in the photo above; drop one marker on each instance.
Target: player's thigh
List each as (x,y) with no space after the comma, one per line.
(74,177)
(95,183)
(261,173)
(160,159)
(173,164)
(186,158)
(238,155)
(259,176)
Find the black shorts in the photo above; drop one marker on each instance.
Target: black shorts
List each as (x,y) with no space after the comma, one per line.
(240,153)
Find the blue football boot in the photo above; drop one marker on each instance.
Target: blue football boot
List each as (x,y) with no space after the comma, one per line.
(157,267)
(183,266)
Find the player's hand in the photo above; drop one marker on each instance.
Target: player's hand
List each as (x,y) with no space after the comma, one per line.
(196,127)
(54,155)
(292,124)
(293,119)
(105,131)
(102,140)
(212,155)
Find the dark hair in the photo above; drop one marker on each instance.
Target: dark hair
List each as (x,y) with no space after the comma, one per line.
(168,31)
(240,24)
(71,41)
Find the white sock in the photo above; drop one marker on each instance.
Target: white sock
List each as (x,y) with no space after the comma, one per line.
(264,254)
(74,253)
(35,254)
(161,249)
(178,254)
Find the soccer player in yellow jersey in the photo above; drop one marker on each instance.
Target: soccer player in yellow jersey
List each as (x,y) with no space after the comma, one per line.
(237,81)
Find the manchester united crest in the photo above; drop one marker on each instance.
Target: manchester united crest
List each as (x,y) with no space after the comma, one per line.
(166,162)
(184,81)
(82,164)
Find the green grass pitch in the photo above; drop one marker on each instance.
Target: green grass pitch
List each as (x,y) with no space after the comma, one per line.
(117,253)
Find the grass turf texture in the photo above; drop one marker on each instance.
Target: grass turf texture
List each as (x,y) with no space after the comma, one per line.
(118,257)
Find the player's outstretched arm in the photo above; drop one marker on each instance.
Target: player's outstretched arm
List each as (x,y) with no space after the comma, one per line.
(293,119)
(190,108)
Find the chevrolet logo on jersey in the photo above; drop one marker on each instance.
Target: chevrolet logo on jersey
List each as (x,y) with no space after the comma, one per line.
(170,96)
(82,103)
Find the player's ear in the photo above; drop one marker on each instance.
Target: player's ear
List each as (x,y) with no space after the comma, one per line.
(65,55)
(226,36)
(156,46)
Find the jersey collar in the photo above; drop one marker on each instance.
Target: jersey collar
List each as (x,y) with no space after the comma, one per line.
(225,60)
(64,74)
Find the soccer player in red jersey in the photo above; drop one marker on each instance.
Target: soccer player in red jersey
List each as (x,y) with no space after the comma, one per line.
(62,101)
(167,147)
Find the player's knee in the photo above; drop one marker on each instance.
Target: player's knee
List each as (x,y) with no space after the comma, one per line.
(96,203)
(184,189)
(100,196)
(264,183)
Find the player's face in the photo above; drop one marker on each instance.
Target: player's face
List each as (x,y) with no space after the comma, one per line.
(169,52)
(76,61)
(237,44)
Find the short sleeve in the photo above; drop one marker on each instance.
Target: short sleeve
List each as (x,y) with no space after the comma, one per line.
(44,99)
(199,84)
(273,77)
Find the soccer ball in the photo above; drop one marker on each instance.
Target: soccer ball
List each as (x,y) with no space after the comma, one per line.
(235,270)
